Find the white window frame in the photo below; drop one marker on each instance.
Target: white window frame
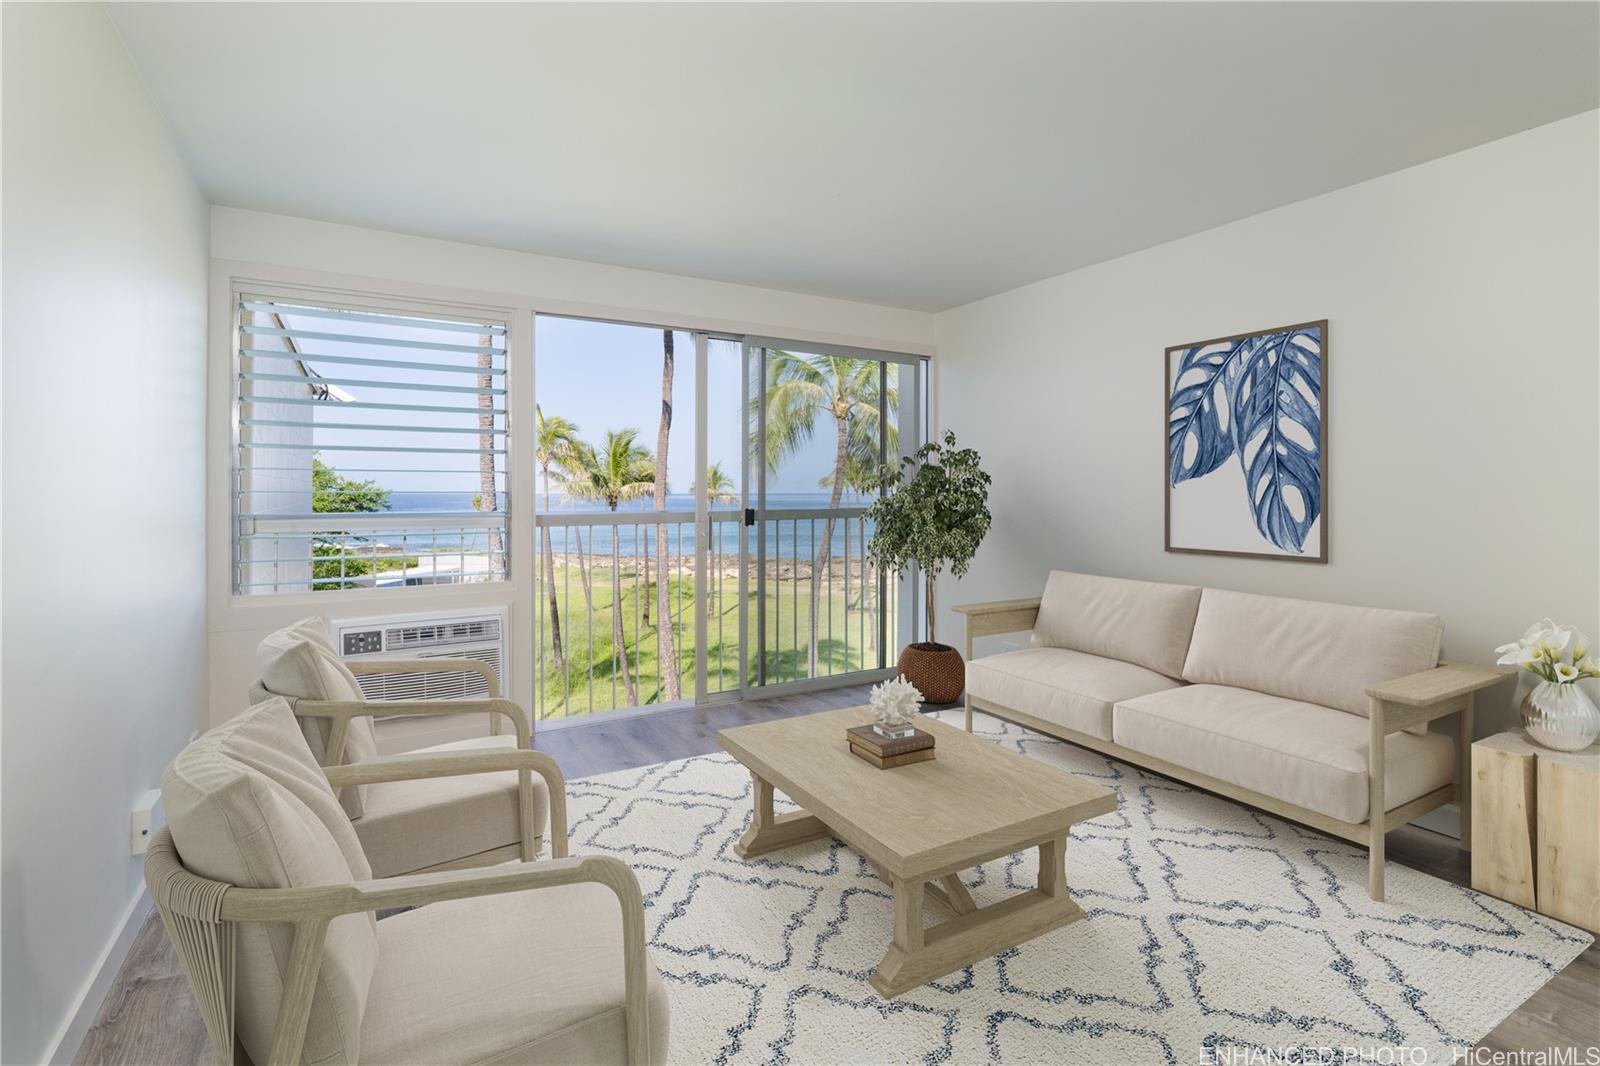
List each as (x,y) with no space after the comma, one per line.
(229,282)
(235,623)
(325,300)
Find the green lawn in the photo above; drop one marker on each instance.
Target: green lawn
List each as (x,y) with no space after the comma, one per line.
(592,679)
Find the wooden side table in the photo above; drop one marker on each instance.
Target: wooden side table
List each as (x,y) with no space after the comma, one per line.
(1536,827)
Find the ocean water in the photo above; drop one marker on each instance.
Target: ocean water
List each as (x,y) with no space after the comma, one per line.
(787,538)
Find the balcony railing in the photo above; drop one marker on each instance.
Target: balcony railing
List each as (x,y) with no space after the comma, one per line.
(603,573)
(316,552)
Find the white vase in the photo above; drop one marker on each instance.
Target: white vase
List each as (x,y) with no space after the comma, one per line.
(1562,717)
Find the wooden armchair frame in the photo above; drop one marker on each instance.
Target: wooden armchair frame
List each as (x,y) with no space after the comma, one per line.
(1394,705)
(200,914)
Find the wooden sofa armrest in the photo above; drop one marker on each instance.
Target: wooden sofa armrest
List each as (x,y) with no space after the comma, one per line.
(341,711)
(421,765)
(427,666)
(1428,694)
(311,909)
(1443,682)
(997,616)
(1414,700)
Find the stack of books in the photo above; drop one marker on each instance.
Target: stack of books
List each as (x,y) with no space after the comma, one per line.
(886,753)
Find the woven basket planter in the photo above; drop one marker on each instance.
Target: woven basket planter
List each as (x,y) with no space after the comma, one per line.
(936,670)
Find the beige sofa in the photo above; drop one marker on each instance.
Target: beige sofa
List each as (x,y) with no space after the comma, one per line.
(1314,711)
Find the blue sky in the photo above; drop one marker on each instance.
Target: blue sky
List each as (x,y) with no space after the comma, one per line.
(604,376)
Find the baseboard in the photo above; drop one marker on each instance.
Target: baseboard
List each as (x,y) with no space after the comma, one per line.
(1444,820)
(69,1038)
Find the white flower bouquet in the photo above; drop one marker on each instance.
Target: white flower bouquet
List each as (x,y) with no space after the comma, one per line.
(1557,654)
(1557,713)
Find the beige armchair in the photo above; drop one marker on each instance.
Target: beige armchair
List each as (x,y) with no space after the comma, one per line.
(265,891)
(407,826)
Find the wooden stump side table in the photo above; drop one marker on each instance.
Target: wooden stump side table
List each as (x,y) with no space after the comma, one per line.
(1536,827)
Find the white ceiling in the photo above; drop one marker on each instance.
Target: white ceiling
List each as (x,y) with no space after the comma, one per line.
(918,155)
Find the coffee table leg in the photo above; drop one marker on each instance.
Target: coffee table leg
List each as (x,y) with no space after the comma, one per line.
(949,891)
(917,955)
(908,929)
(1053,867)
(770,832)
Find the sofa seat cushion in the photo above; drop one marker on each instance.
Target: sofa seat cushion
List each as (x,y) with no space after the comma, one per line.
(1071,689)
(412,825)
(1301,753)
(524,977)
(1146,623)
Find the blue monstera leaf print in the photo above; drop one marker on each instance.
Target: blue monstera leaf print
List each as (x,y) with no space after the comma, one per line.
(1277,434)
(1199,436)
(1259,399)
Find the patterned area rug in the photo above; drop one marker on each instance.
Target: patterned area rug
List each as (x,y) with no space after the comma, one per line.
(1209,928)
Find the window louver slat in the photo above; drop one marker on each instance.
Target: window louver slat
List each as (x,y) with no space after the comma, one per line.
(304,311)
(356,464)
(350,360)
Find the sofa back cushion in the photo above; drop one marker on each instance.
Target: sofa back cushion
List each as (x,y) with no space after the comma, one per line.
(1140,622)
(1326,653)
(299,662)
(248,806)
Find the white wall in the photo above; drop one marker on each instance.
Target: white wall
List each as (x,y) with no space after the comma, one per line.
(566,285)
(104,410)
(1464,363)
(278,250)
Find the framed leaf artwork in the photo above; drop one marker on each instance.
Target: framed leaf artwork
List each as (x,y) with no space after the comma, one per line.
(1247,444)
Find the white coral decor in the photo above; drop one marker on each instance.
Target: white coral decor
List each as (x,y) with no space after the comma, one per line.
(894,702)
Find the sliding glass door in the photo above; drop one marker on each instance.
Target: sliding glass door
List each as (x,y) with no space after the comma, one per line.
(822,423)
(700,519)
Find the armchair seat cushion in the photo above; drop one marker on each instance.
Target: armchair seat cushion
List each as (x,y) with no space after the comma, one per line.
(412,825)
(524,977)
(1302,753)
(1072,689)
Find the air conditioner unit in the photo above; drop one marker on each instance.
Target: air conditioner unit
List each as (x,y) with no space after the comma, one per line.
(480,636)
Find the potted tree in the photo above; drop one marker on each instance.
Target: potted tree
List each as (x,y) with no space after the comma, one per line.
(934,514)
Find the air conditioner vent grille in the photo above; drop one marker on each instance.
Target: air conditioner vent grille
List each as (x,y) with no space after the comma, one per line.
(434,685)
(438,634)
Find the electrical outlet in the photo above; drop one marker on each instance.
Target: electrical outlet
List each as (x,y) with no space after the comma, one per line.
(143,822)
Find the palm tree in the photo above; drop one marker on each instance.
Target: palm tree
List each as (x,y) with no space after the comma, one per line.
(719,487)
(799,389)
(616,471)
(667,647)
(573,480)
(556,445)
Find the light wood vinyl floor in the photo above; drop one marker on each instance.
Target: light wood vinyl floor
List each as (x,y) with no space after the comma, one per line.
(149,1017)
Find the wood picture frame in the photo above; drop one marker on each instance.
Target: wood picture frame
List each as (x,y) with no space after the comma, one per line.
(1201,381)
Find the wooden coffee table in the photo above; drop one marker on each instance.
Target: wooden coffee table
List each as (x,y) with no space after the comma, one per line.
(924,823)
